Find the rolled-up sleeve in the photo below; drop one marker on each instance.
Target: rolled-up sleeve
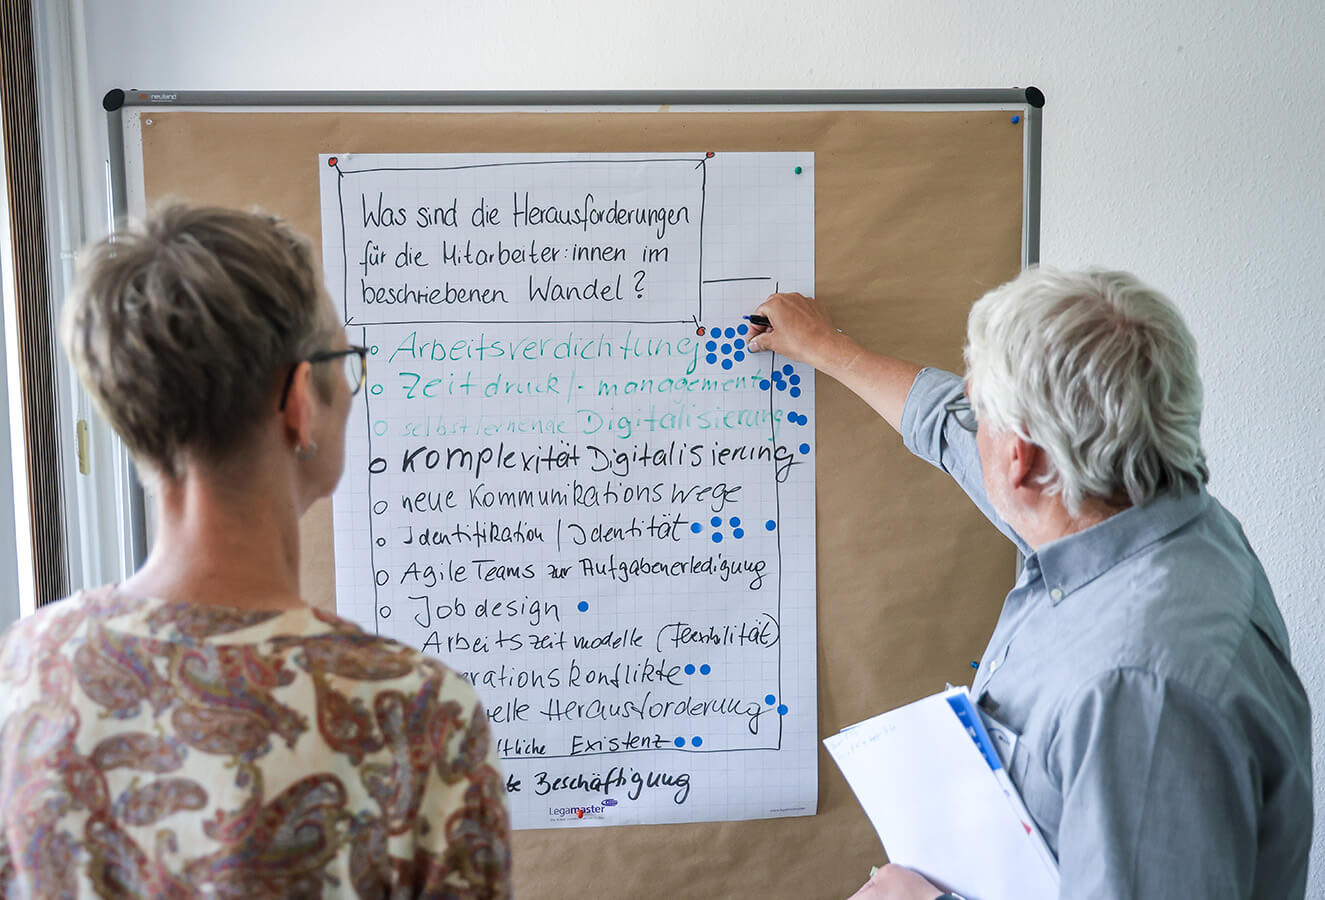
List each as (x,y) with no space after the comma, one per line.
(1159,793)
(933,435)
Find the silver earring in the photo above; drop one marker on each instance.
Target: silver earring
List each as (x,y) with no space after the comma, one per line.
(306,451)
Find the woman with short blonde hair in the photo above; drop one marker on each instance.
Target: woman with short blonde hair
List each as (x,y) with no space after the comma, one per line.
(199,729)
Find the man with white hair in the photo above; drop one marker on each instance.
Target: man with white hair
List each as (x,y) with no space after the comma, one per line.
(1163,738)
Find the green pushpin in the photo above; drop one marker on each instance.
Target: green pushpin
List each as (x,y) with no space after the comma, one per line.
(798,170)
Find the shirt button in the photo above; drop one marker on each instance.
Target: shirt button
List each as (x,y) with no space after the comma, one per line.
(1056,593)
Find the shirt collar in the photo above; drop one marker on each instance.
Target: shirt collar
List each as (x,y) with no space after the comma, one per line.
(1073,561)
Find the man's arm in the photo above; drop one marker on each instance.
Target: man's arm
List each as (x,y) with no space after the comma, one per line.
(1159,793)
(801,330)
(911,398)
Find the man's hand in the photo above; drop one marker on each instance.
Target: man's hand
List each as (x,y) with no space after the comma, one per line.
(801,330)
(896,883)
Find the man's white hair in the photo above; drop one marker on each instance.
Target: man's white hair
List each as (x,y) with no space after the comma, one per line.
(1099,371)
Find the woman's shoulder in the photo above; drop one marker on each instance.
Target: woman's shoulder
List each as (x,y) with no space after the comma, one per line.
(330,645)
(372,692)
(51,627)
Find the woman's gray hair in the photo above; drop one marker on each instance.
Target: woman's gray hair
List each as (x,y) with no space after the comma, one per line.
(1099,371)
(181,328)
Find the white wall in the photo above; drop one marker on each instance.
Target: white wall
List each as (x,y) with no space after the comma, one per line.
(1182,141)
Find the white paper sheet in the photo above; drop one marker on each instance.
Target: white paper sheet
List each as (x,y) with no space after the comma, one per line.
(938,806)
(556,483)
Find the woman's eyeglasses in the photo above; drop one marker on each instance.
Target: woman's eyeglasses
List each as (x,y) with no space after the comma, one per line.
(355,363)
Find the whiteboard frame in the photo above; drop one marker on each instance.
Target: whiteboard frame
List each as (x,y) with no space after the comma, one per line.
(126,106)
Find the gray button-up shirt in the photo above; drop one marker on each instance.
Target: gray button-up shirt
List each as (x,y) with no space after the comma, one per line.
(1163,739)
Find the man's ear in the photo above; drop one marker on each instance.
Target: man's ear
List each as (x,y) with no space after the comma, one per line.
(1024,461)
(298,412)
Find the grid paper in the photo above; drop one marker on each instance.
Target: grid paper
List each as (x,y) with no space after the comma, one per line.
(570,481)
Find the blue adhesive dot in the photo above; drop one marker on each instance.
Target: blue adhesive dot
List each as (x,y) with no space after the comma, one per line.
(805,448)
(782,709)
(726,348)
(582,606)
(711,345)
(735,521)
(717,537)
(742,329)
(739,355)
(792,415)
(782,386)
(787,369)
(680,742)
(696,527)
(696,741)
(764,385)
(738,533)
(711,358)
(726,363)
(738,344)
(796,392)
(795,379)
(770,699)
(690,668)
(705,669)
(715,521)
(730,332)
(770,525)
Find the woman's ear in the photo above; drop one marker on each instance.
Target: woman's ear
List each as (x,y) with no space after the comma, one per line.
(299,413)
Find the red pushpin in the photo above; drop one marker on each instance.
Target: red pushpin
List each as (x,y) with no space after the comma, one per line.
(579,814)
(332,162)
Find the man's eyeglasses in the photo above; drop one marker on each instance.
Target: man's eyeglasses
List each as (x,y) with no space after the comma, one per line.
(961,411)
(356,368)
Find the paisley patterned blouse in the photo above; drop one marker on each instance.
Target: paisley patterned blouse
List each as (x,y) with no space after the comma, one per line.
(155,749)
